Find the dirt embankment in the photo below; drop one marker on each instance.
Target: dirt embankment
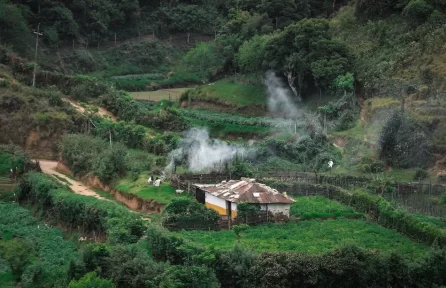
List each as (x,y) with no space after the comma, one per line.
(50,167)
(132,201)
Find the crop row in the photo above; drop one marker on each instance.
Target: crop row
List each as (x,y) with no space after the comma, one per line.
(214,118)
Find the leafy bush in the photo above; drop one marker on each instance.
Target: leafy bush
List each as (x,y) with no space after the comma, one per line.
(138,161)
(418,9)
(420,174)
(110,163)
(404,143)
(81,151)
(189,276)
(88,88)
(188,213)
(90,280)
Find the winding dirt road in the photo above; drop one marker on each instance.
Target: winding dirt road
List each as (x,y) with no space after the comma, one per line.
(49,167)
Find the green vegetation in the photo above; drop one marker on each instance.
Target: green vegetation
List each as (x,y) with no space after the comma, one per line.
(320,207)
(163,194)
(313,236)
(186,213)
(228,91)
(11,157)
(31,252)
(75,211)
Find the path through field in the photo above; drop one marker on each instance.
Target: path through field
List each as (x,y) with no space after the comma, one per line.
(101,111)
(158,95)
(49,167)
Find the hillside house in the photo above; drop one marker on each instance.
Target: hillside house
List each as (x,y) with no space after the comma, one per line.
(224,197)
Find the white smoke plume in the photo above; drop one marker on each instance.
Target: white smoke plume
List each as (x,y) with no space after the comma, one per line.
(201,153)
(280,102)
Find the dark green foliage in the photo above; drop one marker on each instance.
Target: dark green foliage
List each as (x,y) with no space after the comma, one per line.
(419,10)
(38,255)
(377,8)
(130,134)
(12,156)
(420,174)
(12,24)
(188,276)
(240,168)
(129,266)
(138,161)
(246,209)
(345,267)
(403,142)
(88,88)
(204,60)
(110,163)
(76,211)
(81,151)
(188,213)
(90,280)
(306,51)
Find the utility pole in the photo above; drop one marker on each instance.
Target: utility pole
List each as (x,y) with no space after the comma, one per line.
(35,56)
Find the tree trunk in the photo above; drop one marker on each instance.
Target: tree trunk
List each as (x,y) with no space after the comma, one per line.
(290,77)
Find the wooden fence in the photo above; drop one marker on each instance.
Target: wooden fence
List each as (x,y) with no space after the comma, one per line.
(423,198)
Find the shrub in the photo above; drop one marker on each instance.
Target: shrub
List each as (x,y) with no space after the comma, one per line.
(418,9)
(81,151)
(90,280)
(403,142)
(110,163)
(188,213)
(420,174)
(189,276)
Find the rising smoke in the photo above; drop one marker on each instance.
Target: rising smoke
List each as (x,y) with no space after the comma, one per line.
(200,153)
(280,103)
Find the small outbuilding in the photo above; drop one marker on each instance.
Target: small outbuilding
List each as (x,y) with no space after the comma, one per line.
(224,197)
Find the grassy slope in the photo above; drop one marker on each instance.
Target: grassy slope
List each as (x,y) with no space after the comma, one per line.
(319,206)
(163,194)
(312,236)
(234,93)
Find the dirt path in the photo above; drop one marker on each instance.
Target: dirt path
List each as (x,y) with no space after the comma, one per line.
(49,167)
(103,112)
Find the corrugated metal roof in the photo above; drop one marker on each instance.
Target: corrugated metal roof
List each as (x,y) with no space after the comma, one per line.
(245,190)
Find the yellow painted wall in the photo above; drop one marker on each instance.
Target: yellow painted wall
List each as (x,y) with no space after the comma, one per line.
(220,210)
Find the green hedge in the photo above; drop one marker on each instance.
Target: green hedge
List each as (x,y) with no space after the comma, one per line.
(76,211)
(345,267)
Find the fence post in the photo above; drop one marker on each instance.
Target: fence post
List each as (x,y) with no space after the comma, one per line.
(170,39)
(115,39)
(188,36)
